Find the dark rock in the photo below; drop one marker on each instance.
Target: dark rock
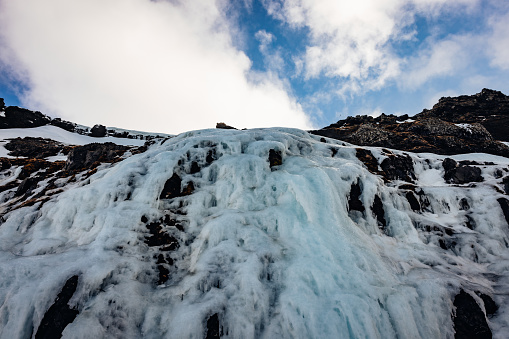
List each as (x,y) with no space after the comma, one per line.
(195,168)
(412,200)
(2,104)
(213,327)
(60,314)
(378,211)
(5,164)
(463,175)
(354,203)
(16,117)
(464,205)
(211,156)
(505,181)
(26,185)
(489,305)
(398,167)
(449,164)
(469,320)
(368,159)
(84,157)
(489,108)
(482,119)
(470,223)
(160,238)
(222,125)
(275,158)
(163,275)
(173,188)
(67,125)
(33,147)
(98,131)
(504,204)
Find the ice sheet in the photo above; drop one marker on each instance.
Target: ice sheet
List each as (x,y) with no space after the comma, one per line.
(274,252)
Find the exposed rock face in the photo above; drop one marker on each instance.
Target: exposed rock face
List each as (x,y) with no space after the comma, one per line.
(82,157)
(60,314)
(455,125)
(33,147)
(489,108)
(469,320)
(460,173)
(16,117)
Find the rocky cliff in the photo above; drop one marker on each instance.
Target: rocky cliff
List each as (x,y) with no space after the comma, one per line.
(464,124)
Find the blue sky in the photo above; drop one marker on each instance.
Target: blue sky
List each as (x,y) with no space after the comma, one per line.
(172,66)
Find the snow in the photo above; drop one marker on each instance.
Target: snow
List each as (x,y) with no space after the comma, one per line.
(61,135)
(405,121)
(468,127)
(275,253)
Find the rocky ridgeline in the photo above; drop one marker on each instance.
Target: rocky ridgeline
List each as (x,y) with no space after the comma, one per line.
(17,117)
(464,124)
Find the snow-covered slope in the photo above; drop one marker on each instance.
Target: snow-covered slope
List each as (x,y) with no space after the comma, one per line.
(265,233)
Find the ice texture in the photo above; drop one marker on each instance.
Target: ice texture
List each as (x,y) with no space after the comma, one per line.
(272,252)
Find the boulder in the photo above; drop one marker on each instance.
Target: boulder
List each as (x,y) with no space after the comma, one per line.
(98,131)
(469,319)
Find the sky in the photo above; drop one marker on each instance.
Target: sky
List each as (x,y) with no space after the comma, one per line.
(177,65)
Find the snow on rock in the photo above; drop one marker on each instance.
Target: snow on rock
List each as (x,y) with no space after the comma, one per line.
(264,233)
(61,135)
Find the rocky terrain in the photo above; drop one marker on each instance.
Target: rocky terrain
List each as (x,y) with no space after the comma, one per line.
(255,233)
(464,124)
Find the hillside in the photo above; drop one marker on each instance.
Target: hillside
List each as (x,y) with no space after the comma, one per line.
(261,233)
(464,124)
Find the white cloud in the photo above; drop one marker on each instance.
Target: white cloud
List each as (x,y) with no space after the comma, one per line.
(438,59)
(499,41)
(352,40)
(149,65)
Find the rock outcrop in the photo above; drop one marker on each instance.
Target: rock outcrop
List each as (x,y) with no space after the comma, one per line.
(465,124)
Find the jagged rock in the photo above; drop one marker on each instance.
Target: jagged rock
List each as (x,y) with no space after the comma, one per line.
(2,104)
(368,159)
(60,314)
(16,117)
(504,204)
(213,327)
(459,173)
(412,200)
(67,125)
(222,125)
(489,108)
(33,147)
(442,130)
(173,188)
(370,134)
(469,320)
(354,203)
(26,185)
(378,211)
(275,158)
(98,131)
(83,157)
(398,167)
(489,305)
(505,182)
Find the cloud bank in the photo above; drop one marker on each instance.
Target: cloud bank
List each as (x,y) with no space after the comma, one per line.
(167,66)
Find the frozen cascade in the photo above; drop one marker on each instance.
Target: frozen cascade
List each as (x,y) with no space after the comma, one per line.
(266,252)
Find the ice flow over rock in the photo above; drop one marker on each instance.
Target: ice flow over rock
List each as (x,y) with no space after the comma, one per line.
(203,235)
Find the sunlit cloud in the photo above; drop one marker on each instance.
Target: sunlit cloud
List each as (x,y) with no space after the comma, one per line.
(150,65)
